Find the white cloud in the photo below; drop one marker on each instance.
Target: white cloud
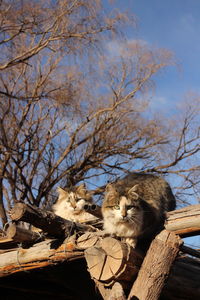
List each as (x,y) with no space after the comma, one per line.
(117,48)
(159,103)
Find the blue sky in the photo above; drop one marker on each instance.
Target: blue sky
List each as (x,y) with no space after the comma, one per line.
(175,25)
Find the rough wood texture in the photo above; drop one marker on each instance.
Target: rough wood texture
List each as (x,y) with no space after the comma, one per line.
(184,222)
(184,280)
(46,220)
(40,255)
(112,260)
(19,234)
(87,240)
(156,267)
(117,292)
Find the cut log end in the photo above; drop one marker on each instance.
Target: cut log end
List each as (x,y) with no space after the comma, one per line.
(19,234)
(111,260)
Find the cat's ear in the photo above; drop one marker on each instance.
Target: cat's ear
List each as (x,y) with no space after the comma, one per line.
(110,188)
(81,188)
(61,194)
(132,192)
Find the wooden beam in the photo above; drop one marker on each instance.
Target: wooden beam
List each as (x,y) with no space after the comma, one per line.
(19,234)
(40,255)
(156,267)
(184,280)
(184,222)
(46,220)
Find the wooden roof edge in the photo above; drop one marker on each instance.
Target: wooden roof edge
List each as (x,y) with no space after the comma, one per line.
(39,255)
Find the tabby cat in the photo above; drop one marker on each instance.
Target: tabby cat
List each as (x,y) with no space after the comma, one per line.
(71,202)
(135,207)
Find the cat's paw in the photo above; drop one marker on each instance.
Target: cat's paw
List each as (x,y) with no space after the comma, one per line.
(131,242)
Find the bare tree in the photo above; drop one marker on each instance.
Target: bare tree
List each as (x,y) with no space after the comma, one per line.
(72,110)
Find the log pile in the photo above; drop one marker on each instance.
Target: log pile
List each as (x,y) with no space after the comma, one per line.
(119,271)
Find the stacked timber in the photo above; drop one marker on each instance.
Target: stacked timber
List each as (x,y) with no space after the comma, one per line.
(118,270)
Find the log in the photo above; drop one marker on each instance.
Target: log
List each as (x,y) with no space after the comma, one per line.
(184,280)
(184,222)
(19,234)
(115,292)
(40,255)
(46,220)
(87,240)
(156,267)
(112,260)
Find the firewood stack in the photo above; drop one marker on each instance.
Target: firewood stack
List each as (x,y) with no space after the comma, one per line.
(119,271)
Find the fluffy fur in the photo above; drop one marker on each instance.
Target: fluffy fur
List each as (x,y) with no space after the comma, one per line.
(135,206)
(70,204)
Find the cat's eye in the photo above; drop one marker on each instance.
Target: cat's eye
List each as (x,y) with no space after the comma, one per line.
(78,199)
(131,206)
(116,207)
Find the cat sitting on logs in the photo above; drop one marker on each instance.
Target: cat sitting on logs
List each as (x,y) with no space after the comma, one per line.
(71,204)
(135,207)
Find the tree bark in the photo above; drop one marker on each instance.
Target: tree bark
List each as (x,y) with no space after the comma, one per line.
(184,222)
(183,282)
(115,292)
(43,254)
(19,234)
(156,267)
(47,221)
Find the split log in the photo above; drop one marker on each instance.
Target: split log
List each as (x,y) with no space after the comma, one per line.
(40,255)
(19,234)
(112,260)
(156,267)
(184,222)
(46,220)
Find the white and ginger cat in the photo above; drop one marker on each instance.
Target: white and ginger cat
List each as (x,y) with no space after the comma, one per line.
(135,207)
(71,202)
